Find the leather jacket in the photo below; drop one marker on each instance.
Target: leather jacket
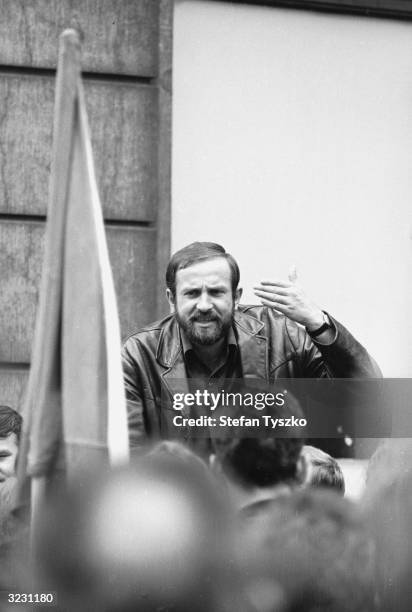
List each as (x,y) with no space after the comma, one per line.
(271,346)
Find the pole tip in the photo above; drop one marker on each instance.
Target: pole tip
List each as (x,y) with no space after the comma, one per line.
(69,37)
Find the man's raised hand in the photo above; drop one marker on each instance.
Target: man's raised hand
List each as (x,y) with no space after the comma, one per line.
(289,298)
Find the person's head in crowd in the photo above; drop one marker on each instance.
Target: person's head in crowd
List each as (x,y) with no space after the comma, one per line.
(309,552)
(13,531)
(322,470)
(151,537)
(179,452)
(10,431)
(259,468)
(391,458)
(202,288)
(387,505)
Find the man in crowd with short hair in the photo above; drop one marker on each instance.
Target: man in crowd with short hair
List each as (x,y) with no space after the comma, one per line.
(322,470)
(11,528)
(10,431)
(210,337)
(257,470)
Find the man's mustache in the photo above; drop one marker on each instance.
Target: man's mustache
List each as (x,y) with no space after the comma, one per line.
(204,318)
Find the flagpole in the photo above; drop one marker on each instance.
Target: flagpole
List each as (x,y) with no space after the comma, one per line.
(48,321)
(75,412)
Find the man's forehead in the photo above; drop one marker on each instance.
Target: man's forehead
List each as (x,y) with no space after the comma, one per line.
(9,442)
(212,272)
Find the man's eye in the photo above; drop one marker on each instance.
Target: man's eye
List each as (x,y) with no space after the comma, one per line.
(216,292)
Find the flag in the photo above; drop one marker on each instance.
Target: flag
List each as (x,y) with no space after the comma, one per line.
(75,411)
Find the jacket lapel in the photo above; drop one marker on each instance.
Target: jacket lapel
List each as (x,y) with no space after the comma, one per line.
(170,356)
(253,346)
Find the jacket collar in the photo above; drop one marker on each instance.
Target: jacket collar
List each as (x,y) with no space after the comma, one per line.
(168,347)
(247,324)
(252,346)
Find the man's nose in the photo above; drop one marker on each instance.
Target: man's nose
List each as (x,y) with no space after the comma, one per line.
(204,303)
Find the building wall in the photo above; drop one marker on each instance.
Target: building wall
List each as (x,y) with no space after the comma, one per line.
(292,144)
(126,59)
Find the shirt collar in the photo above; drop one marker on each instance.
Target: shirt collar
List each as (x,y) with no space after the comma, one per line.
(188,346)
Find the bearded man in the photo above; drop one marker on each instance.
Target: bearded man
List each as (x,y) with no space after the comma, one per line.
(209,337)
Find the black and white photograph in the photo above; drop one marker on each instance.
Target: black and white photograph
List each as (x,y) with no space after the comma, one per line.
(206,332)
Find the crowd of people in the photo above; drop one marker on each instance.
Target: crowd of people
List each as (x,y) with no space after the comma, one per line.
(262,526)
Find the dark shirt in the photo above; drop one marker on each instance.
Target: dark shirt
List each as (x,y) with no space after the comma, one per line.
(200,376)
(228,368)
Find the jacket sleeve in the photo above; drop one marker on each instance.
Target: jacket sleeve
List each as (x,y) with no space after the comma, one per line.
(344,357)
(134,398)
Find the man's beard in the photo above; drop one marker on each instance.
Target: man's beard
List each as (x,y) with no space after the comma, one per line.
(206,336)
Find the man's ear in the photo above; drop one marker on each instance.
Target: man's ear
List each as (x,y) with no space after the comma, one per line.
(171,300)
(238,295)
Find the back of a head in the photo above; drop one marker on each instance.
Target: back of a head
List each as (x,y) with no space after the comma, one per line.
(151,537)
(387,505)
(309,549)
(391,458)
(269,458)
(178,452)
(322,470)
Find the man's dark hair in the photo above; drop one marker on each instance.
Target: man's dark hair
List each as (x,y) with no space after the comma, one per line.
(10,422)
(195,253)
(257,462)
(267,459)
(324,470)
